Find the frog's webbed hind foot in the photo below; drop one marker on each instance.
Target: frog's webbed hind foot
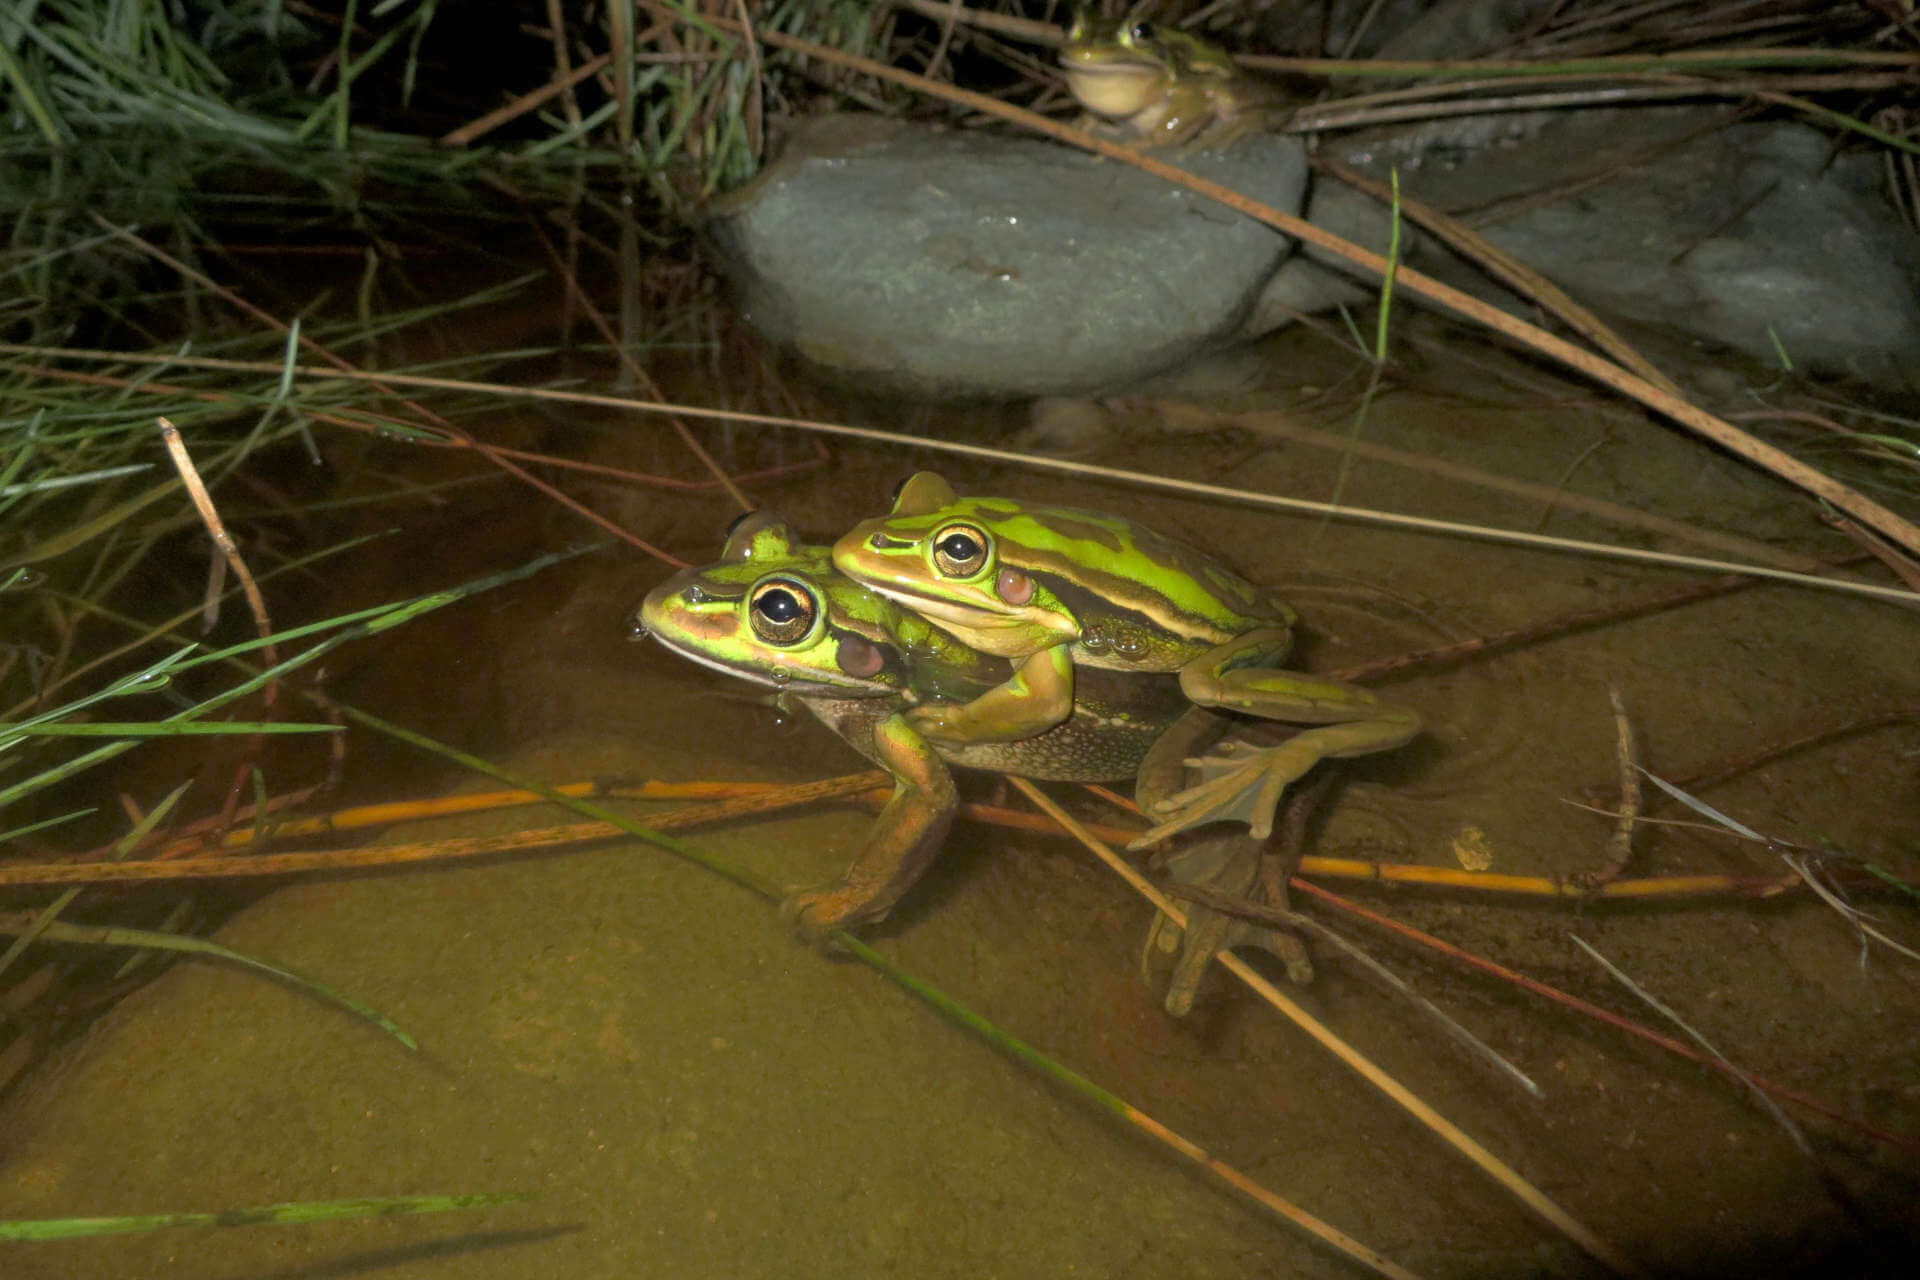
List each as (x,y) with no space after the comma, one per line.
(1175,959)
(1239,783)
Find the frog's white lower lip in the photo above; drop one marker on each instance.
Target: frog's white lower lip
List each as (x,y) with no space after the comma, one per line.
(796,683)
(946,610)
(691,654)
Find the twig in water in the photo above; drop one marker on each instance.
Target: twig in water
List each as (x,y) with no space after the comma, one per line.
(1392,981)
(1620,843)
(1720,770)
(1834,1188)
(263,624)
(1445,1129)
(1594,1011)
(1798,863)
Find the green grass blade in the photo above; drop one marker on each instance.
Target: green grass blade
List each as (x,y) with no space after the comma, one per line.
(39,922)
(62,482)
(20,924)
(164,729)
(372,622)
(262,1215)
(23,92)
(44,824)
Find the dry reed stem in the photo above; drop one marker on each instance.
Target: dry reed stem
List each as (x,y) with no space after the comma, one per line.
(1445,1129)
(1323,1231)
(1588,1009)
(1280,422)
(542,839)
(1504,267)
(256,603)
(1171,484)
(224,543)
(1330,116)
(561,86)
(172,863)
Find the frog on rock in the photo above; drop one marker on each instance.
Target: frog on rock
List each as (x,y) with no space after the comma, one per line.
(1160,87)
(1058,591)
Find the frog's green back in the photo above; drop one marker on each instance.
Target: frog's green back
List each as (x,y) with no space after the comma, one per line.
(1109,567)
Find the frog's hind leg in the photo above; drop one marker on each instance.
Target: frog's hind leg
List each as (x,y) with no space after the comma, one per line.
(1174,960)
(1244,783)
(1253,872)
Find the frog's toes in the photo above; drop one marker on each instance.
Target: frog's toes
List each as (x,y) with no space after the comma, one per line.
(1175,961)
(1248,792)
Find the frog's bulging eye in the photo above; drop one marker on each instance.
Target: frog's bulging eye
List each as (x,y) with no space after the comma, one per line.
(1141,32)
(959,550)
(782,612)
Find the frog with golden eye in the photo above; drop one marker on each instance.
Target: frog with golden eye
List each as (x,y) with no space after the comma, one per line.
(1061,592)
(1156,86)
(775,611)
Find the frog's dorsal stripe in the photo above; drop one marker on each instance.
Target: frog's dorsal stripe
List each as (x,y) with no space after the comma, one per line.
(1086,555)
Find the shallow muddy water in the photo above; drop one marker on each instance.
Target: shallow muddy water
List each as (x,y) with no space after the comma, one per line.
(692,1093)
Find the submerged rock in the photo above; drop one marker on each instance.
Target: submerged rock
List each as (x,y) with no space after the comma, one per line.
(934,261)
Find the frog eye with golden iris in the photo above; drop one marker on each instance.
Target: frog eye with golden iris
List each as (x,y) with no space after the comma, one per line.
(959,551)
(782,611)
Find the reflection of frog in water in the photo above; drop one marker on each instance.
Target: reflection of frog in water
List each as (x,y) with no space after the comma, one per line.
(1160,87)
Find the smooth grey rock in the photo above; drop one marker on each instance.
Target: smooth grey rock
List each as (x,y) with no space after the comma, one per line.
(1732,237)
(1316,280)
(932,261)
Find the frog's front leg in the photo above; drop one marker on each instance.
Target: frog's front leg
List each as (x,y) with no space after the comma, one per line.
(1038,696)
(1246,785)
(898,848)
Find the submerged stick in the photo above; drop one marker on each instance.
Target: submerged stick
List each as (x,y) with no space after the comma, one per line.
(1393,982)
(946,1005)
(535,839)
(1589,1009)
(1488,1163)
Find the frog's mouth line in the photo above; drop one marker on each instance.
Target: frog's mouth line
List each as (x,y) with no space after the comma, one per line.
(966,615)
(801,686)
(693,654)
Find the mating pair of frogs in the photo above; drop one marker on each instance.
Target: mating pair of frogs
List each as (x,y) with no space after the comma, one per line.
(1043,641)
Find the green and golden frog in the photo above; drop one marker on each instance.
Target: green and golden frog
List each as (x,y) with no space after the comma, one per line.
(773,610)
(1061,592)
(1160,87)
